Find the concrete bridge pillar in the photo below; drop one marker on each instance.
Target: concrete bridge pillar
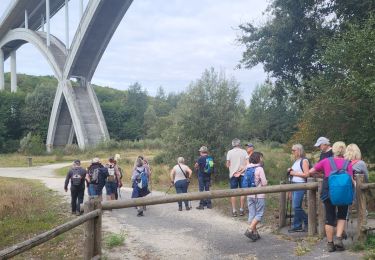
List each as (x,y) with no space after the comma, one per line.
(13,72)
(2,82)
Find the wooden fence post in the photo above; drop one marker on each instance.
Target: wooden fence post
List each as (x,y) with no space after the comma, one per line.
(321,211)
(98,229)
(282,208)
(311,210)
(361,208)
(89,246)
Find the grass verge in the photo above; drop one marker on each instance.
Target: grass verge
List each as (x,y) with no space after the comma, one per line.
(28,208)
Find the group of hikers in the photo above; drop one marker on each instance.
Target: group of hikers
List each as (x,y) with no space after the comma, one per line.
(337,165)
(97,176)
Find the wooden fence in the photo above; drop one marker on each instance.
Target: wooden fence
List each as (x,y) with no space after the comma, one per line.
(93,208)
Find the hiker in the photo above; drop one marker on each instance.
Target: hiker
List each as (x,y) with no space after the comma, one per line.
(113,179)
(180,178)
(121,174)
(299,173)
(335,215)
(204,167)
(76,175)
(325,148)
(353,154)
(92,179)
(249,151)
(256,203)
(236,162)
(140,179)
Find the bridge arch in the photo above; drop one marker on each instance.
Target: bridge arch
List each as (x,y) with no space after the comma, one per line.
(55,54)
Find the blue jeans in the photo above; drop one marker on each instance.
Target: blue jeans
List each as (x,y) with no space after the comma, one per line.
(182,187)
(299,214)
(92,190)
(204,181)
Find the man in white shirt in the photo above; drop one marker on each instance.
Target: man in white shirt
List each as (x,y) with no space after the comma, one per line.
(236,163)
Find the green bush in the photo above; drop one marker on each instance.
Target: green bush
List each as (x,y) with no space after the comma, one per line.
(114,240)
(32,145)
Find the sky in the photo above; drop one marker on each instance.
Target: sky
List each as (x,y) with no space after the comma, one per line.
(164,43)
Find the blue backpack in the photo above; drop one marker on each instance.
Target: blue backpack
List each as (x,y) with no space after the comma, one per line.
(248,180)
(142,180)
(340,185)
(209,166)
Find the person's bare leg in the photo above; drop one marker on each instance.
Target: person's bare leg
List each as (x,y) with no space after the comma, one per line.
(242,202)
(253,225)
(340,227)
(329,232)
(233,201)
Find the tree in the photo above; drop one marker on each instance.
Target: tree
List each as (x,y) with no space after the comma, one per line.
(208,114)
(38,109)
(344,110)
(270,118)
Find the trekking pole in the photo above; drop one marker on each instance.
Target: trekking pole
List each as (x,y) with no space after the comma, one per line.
(170,186)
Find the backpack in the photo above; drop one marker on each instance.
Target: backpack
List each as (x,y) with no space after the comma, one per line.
(248,180)
(340,185)
(94,174)
(209,166)
(111,174)
(301,162)
(142,180)
(76,177)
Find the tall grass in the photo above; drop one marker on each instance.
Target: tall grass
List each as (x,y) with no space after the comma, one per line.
(28,208)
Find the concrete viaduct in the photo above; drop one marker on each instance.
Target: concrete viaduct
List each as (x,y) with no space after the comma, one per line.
(76,110)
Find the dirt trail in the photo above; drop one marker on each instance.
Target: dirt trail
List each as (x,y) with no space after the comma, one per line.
(165,233)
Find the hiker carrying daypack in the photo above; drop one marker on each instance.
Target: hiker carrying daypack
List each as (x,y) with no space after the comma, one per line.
(248,179)
(340,185)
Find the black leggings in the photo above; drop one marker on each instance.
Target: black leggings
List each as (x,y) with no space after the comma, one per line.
(331,215)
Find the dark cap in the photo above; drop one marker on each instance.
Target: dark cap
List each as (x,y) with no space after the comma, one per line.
(249,145)
(77,162)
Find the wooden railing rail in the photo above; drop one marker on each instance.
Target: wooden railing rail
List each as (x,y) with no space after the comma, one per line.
(41,238)
(118,204)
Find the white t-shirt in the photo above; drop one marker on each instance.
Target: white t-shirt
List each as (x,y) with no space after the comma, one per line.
(179,174)
(237,159)
(297,167)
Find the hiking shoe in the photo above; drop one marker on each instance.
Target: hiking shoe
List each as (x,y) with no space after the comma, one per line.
(241,212)
(234,214)
(257,235)
(330,247)
(200,207)
(339,246)
(344,235)
(140,214)
(251,235)
(187,208)
(293,230)
(78,213)
(180,208)
(209,206)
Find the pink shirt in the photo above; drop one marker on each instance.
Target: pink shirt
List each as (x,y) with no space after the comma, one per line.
(325,166)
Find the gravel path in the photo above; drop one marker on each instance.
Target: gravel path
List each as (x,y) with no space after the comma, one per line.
(165,233)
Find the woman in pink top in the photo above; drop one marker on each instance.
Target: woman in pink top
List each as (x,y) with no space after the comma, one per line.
(256,203)
(334,214)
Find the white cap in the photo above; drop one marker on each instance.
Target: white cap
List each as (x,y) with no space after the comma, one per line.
(321,140)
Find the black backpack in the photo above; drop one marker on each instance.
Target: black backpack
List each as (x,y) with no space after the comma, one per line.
(76,177)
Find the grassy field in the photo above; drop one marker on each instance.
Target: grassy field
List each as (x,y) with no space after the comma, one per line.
(28,208)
